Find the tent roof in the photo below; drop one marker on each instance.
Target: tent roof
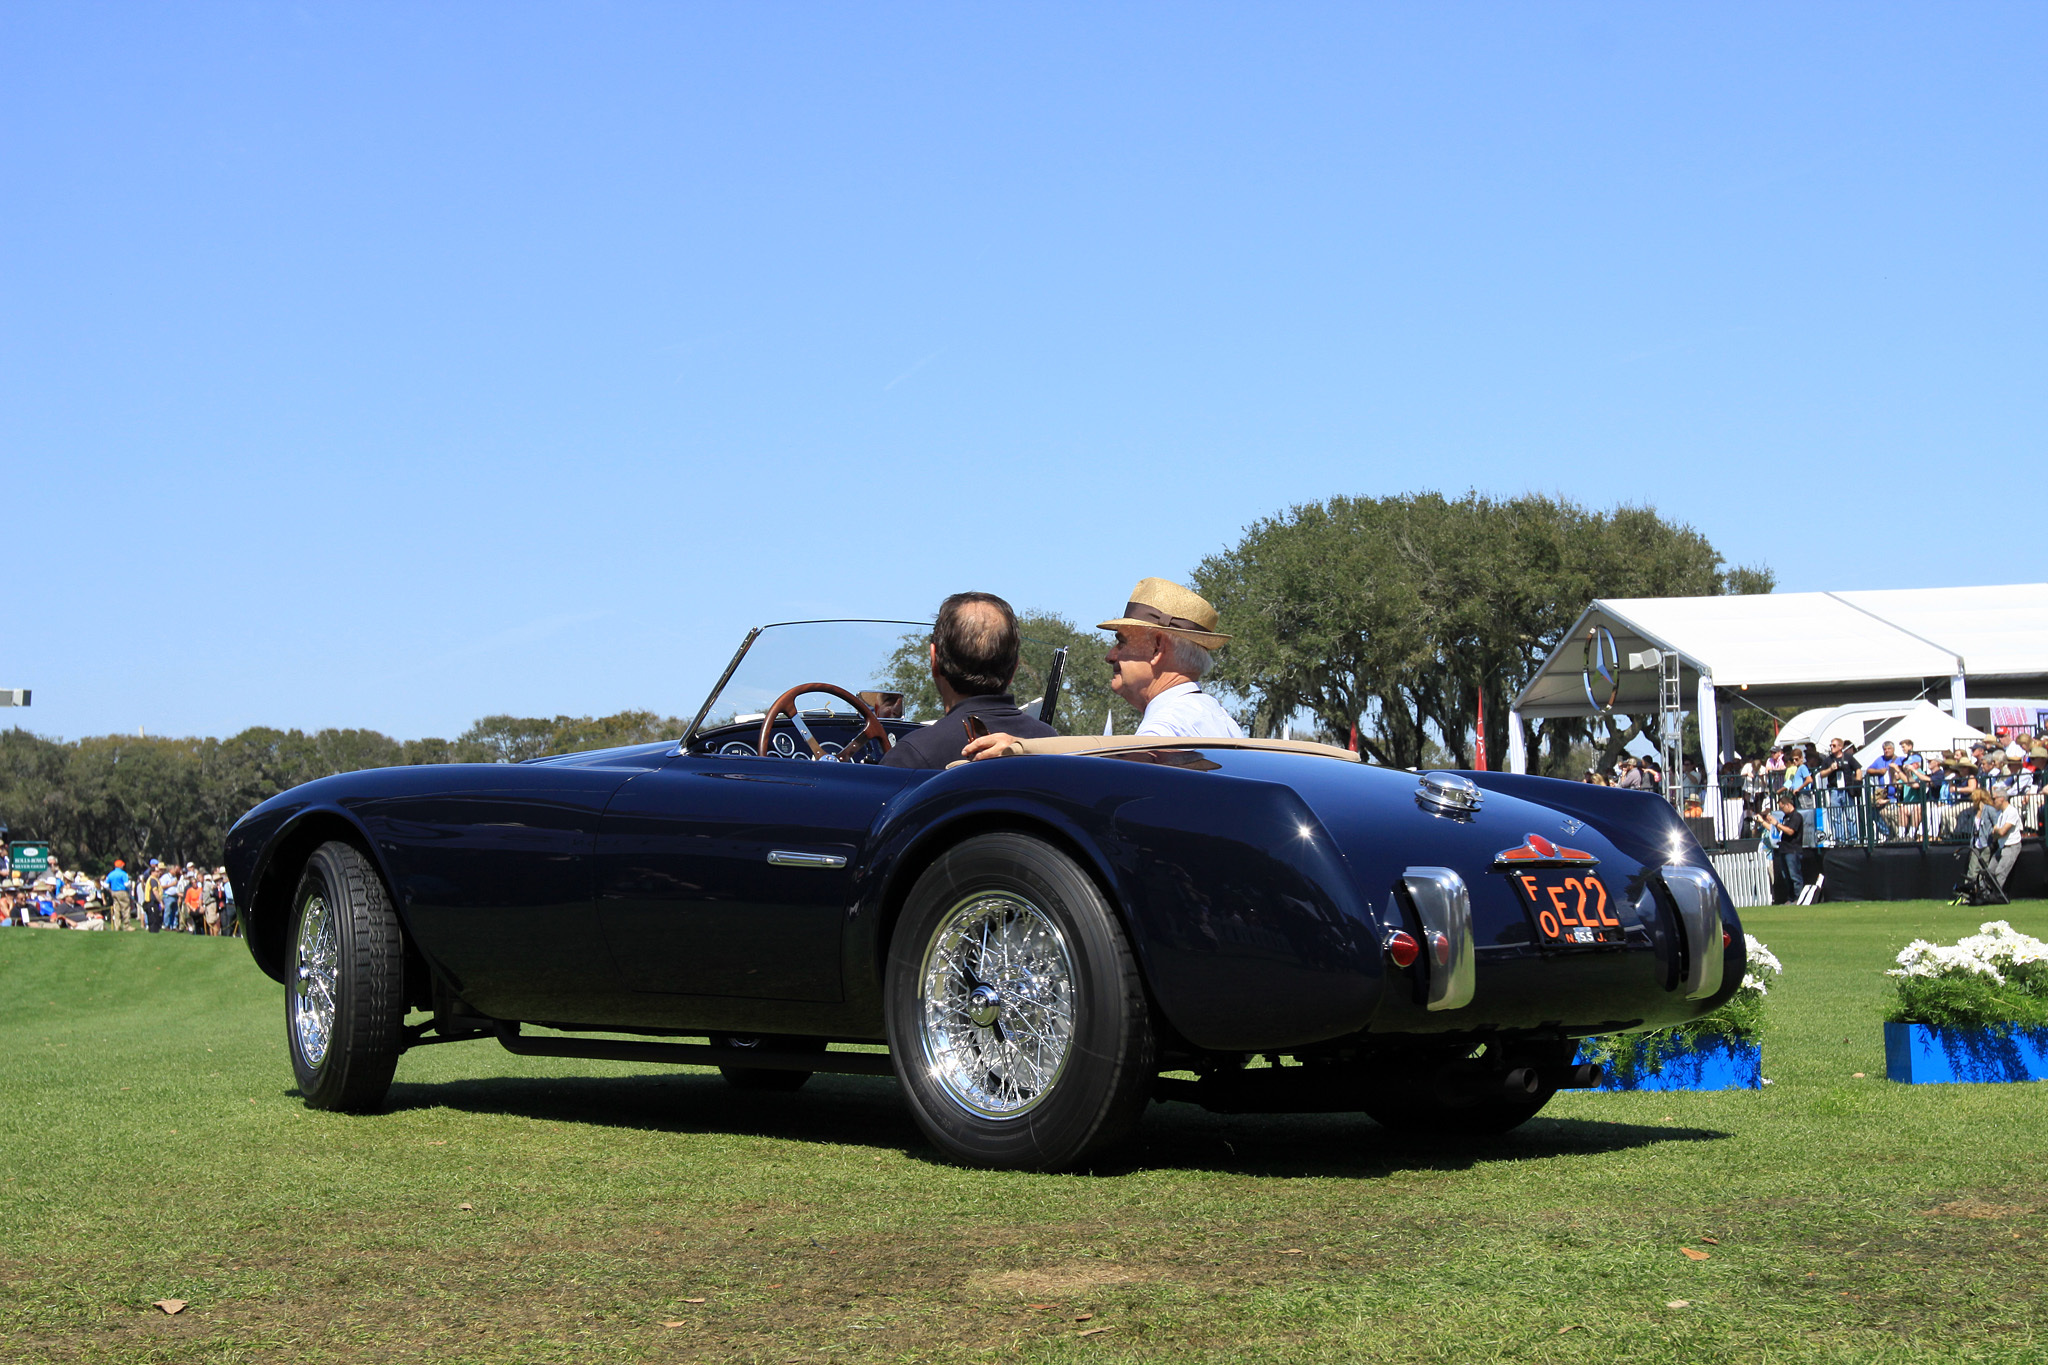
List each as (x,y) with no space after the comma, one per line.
(1814,648)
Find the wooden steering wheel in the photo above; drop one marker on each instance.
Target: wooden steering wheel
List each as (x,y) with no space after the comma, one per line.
(785,705)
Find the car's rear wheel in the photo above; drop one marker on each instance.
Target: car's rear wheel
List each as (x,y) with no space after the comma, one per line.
(761,1079)
(345,999)
(1015,1013)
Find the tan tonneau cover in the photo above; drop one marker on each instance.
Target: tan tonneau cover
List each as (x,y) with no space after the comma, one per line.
(1110,744)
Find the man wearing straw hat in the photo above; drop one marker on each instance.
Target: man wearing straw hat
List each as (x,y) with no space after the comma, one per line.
(1162,649)
(1163,644)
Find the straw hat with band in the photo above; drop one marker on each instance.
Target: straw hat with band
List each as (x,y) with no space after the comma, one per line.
(1157,604)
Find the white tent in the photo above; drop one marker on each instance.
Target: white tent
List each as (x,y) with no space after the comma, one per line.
(1868,726)
(1798,648)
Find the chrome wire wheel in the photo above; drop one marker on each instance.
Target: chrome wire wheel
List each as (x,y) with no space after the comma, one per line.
(996,1004)
(313,979)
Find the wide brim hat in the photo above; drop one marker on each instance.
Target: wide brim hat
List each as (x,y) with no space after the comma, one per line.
(1157,604)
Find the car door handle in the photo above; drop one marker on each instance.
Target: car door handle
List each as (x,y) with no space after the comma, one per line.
(784,857)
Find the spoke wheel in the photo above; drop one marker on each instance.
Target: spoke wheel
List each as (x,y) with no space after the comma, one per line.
(998,1005)
(345,999)
(1016,1016)
(311,1003)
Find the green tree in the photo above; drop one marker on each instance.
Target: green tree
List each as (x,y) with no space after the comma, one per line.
(1397,613)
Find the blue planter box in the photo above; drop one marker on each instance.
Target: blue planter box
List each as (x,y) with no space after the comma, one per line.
(1716,1064)
(1929,1054)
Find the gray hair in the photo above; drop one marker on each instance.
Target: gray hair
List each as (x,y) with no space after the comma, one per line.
(1187,657)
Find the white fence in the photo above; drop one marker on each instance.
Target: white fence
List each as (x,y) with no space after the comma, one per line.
(1746,875)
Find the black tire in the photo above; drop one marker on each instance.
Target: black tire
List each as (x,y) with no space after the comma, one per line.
(1413,1100)
(761,1079)
(350,1069)
(1070,1100)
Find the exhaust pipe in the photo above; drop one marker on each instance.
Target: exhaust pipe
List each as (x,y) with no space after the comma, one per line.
(1584,1076)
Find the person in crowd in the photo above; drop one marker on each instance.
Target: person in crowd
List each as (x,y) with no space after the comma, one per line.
(974,651)
(153,897)
(119,891)
(1911,775)
(1976,823)
(1789,830)
(1796,778)
(194,907)
(1837,777)
(2004,836)
(1628,775)
(1880,791)
(224,892)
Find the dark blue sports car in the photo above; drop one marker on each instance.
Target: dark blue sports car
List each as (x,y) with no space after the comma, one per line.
(1044,942)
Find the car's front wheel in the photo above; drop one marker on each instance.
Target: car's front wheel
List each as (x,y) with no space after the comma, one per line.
(345,998)
(1015,1013)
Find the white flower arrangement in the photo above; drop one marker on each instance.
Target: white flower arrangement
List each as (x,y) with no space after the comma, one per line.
(1761,968)
(1995,978)
(1993,952)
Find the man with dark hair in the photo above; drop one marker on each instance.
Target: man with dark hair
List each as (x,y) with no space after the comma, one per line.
(1790,831)
(974,652)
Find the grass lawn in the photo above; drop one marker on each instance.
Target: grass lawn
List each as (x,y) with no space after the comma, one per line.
(534,1210)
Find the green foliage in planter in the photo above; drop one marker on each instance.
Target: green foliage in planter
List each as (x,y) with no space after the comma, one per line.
(1741,1019)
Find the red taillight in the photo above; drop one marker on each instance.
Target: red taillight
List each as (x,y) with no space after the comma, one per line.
(1402,947)
(1725,939)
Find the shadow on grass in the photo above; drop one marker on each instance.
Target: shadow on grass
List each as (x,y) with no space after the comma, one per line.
(869,1112)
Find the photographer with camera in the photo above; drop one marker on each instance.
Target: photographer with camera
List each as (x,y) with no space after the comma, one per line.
(1788,834)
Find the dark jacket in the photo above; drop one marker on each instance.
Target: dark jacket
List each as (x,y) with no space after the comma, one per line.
(940,743)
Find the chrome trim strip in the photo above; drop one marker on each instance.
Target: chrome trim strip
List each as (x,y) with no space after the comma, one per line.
(1449,947)
(1698,898)
(784,857)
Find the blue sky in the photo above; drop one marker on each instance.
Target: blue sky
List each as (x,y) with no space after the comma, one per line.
(390,365)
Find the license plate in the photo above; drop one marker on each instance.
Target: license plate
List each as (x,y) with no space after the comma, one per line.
(1573,908)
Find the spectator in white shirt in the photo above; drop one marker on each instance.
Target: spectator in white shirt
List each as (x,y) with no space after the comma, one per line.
(1163,647)
(2005,836)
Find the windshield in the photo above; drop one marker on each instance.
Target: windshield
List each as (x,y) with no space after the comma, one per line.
(889,657)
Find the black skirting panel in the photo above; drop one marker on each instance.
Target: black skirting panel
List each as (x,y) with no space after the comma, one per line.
(1907,872)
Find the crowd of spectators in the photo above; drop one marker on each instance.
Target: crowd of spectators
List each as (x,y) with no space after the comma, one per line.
(158,897)
(1988,795)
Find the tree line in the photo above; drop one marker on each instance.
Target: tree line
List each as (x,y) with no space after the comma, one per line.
(120,796)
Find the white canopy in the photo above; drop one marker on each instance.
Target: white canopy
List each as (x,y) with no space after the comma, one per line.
(1818,649)
(1813,647)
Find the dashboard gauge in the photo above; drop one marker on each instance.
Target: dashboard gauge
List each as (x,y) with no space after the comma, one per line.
(785,744)
(737,748)
(830,748)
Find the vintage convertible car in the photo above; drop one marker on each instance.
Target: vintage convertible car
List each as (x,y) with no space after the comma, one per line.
(1044,942)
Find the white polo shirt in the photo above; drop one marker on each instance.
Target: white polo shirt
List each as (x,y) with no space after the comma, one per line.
(1187,710)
